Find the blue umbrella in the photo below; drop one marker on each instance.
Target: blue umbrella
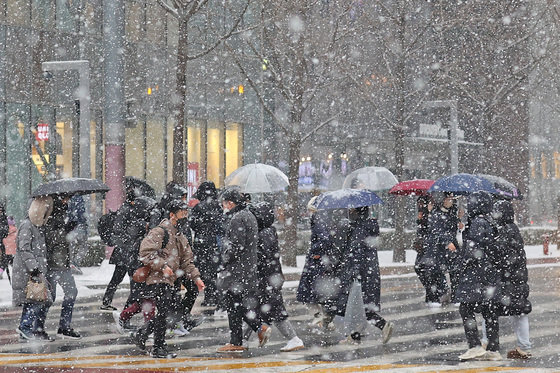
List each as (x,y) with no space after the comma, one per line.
(505,189)
(347,198)
(463,184)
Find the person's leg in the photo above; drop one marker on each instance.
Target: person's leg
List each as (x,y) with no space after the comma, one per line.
(235,319)
(286,328)
(492,328)
(41,317)
(130,311)
(189,299)
(66,281)
(164,304)
(28,318)
(521,328)
(375,319)
(116,279)
(469,324)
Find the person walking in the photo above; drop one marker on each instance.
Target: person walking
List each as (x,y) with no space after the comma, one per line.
(424,206)
(478,279)
(361,264)
(4,231)
(56,230)
(30,262)
(237,276)
(271,278)
(206,220)
(79,235)
(166,262)
(513,294)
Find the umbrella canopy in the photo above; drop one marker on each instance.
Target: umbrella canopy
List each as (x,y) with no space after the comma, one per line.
(258,178)
(347,198)
(417,187)
(372,178)
(505,189)
(139,186)
(462,184)
(70,186)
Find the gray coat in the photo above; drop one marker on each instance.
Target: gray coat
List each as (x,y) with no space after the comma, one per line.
(238,271)
(31,250)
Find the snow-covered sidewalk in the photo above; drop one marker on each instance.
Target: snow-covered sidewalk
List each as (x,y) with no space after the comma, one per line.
(94,279)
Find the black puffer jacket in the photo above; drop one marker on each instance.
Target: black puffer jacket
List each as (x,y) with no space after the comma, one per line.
(206,218)
(511,261)
(479,280)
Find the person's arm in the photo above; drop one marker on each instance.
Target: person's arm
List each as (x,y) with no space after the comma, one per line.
(150,247)
(25,247)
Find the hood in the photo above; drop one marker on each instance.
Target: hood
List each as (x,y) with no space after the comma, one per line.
(207,189)
(40,209)
(264,213)
(479,203)
(503,212)
(143,207)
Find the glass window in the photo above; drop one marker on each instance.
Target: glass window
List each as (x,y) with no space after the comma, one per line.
(214,149)
(42,14)
(170,126)
(134,23)
(18,12)
(233,150)
(62,141)
(43,145)
(155,154)
(67,15)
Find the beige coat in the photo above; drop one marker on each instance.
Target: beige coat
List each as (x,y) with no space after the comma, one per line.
(177,254)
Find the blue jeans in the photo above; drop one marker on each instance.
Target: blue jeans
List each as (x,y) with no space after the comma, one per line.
(65,279)
(33,317)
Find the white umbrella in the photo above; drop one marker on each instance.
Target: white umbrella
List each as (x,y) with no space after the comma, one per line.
(373,178)
(258,178)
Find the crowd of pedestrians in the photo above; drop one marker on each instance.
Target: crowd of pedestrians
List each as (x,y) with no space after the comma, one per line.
(227,247)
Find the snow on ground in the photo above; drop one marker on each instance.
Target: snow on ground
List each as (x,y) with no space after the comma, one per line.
(94,279)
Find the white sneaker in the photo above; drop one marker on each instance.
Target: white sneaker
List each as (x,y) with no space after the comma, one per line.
(293,344)
(387,331)
(180,330)
(491,356)
(219,314)
(473,353)
(433,305)
(118,322)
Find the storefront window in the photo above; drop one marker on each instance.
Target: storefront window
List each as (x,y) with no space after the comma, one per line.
(234,143)
(170,126)
(43,145)
(134,150)
(63,143)
(155,154)
(214,151)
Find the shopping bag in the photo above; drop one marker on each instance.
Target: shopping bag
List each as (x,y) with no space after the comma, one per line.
(355,315)
(36,291)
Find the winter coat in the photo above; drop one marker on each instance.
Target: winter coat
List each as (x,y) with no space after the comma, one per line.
(361,263)
(442,230)
(10,241)
(478,277)
(238,266)
(317,270)
(31,248)
(206,221)
(56,231)
(269,268)
(177,254)
(132,224)
(511,261)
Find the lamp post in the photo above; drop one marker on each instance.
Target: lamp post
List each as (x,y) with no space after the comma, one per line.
(82,93)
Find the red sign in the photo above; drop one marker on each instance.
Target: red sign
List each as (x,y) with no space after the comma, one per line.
(42,132)
(192,178)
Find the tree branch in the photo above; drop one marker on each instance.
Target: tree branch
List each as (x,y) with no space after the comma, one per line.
(319,127)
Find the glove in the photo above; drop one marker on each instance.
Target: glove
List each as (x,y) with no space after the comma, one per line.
(35,275)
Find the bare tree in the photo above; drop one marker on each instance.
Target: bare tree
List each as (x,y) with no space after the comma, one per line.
(187,13)
(303,44)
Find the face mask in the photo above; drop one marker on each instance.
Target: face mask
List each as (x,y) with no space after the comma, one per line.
(182,223)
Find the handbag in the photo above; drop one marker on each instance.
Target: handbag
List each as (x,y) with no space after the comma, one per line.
(36,291)
(141,274)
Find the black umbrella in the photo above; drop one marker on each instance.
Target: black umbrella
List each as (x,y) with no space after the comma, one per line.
(505,189)
(140,187)
(70,186)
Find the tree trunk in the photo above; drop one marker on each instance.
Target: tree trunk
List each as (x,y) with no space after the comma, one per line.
(399,254)
(292,212)
(179,150)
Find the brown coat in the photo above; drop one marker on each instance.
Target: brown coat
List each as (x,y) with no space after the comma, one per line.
(177,254)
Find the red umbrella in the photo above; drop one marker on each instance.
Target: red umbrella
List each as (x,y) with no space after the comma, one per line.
(417,187)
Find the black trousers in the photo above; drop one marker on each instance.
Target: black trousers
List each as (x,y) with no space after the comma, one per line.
(241,307)
(118,276)
(467,311)
(206,260)
(162,294)
(182,306)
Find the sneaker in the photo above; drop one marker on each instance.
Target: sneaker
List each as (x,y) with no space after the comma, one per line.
(445,298)
(180,330)
(25,335)
(139,340)
(220,314)
(119,322)
(68,333)
(518,354)
(473,353)
(491,356)
(353,339)
(264,334)
(231,348)
(387,331)
(293,344)
(193,322)
(107,307)
(43,336)
(433,305)
(162,353)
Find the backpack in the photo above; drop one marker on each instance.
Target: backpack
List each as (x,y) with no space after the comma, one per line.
(105,227)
